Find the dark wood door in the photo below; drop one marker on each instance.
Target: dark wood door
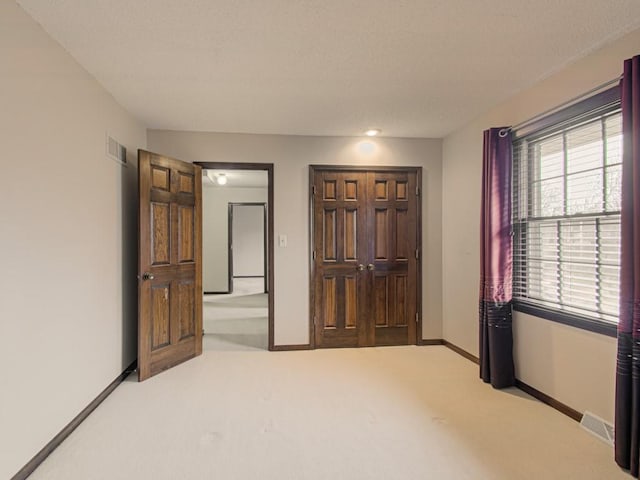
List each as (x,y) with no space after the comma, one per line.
(170,263)
(339,226)
(365,274)
(393,234)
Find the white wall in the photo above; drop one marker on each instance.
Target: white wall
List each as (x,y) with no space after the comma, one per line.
(215,232)
(248,237)
(291,156)
(574,366)
(68,239)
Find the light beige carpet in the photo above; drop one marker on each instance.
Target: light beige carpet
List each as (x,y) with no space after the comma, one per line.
(371,413)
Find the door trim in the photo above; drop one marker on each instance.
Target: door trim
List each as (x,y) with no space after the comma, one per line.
(365,168)
(265,242)
(268,167)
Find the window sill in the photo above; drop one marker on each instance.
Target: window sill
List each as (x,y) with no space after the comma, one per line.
(571,319)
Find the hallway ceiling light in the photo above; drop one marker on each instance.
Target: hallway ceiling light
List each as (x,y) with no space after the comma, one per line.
(372,132)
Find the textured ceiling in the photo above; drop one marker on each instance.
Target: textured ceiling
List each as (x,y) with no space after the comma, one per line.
(414,68)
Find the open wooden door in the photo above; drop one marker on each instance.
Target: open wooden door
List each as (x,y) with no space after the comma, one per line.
(170,263)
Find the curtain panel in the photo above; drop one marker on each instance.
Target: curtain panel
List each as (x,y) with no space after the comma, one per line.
(496,337)
(627,421)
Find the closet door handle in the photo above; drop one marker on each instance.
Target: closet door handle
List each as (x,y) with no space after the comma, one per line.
(148,276)
(360,267)
(371,267)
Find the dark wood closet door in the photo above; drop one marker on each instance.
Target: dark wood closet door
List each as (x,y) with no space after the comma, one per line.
(393,234)
(170,263)
(339,215)
(365,274)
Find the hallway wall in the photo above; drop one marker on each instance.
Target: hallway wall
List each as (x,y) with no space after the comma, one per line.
(248,238)
(215,232)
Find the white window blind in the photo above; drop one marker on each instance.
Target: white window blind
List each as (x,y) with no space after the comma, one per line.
(566,225)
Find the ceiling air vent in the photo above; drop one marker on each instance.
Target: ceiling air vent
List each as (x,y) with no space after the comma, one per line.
(115,151)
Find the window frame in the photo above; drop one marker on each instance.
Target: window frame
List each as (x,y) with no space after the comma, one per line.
(565,118)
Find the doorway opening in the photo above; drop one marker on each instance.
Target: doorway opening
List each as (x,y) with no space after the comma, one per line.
(247,246)
(237,270)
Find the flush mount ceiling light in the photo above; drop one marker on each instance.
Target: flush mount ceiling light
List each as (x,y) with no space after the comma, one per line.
(221,179)
(372,132)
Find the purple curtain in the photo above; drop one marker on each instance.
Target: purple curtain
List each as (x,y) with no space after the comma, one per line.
(627,429)
(496,339)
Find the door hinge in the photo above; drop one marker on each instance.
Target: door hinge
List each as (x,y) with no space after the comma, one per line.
(313,190)
(416,317)
(313,254)
(417,254)
(417,191)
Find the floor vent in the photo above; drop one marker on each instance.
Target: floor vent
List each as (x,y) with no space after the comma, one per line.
(598,427)
(115,151)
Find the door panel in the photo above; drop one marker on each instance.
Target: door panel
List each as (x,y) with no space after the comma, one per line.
(160,233)
(160,316)
(365,275)
(170,264)
(186,309)
(339,233)
(186,230)
(395,245)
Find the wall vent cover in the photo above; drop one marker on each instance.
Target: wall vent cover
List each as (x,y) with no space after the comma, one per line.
(116,151)
(597,427)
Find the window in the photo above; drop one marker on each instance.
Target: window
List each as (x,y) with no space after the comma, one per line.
(566,215)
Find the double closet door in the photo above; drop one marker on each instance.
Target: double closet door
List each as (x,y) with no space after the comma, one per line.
(365,269)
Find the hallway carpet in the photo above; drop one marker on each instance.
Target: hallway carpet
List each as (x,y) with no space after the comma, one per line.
(370,413)
(239,320)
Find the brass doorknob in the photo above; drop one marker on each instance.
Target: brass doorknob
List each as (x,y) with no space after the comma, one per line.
(148,276)
(360,267)
(371,267)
